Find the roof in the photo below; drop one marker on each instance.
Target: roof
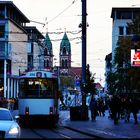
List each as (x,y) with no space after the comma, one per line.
(124,9)
(75,71)
(65,43)
(34,30)
(48,42)
(23,18)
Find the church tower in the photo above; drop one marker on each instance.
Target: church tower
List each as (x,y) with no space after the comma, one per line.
(48,53)
(65,55)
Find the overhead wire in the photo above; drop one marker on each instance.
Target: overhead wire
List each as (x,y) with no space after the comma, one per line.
(61,12)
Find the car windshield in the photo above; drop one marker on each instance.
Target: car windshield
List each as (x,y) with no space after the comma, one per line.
(5,115)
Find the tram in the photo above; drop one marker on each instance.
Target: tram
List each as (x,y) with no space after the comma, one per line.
(38,98)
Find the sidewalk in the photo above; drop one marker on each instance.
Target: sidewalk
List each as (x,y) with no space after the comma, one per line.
(104,127)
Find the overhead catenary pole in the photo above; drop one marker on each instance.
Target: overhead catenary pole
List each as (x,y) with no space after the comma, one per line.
(84,14)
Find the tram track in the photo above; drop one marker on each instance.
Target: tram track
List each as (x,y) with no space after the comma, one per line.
(61,132)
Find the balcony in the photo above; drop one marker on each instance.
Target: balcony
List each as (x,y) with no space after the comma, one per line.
(5,50)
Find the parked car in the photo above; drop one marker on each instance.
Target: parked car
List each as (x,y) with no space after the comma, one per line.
(9,128)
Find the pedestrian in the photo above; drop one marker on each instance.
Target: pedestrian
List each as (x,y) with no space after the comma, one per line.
(1,103)
(93,108)
(127,110)
(115,106)
(134,108)
(12,102)
(101,107)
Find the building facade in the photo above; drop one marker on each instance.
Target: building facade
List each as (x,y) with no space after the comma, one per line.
(120,17)
(21,48)
(13,47)
(35,49)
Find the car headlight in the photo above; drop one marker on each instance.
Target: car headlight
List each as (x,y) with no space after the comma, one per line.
(14,130)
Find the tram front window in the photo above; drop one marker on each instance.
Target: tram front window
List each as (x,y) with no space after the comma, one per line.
(36,88)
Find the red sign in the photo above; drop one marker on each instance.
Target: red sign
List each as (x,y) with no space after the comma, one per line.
(135,58)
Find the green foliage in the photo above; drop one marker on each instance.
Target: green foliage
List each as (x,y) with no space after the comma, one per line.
(90,84)
(66,81)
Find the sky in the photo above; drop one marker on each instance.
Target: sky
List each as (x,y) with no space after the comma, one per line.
(65,15)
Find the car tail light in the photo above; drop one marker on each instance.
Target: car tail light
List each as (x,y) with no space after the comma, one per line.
(27,110)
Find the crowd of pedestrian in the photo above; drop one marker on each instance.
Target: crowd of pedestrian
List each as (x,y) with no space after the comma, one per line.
(97,107)
(11,103)
(119,107)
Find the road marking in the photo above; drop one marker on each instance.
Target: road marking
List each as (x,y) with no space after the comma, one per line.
(65,136)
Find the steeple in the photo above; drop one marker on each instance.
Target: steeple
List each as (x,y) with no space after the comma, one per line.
(48,44)
(65,54)
(65,43)
(48,53)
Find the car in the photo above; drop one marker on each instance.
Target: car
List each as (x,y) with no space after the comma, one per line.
(9,127)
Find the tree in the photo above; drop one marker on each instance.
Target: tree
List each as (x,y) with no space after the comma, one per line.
(90,84)
(66,81)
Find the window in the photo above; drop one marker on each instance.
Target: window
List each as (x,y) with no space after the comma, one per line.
(2,12)
(62,63)
(37,88)
(121,30)
(66,63)
(124,15)
(128,31)
(64,51)
(46,51)
(2,31)
(46,63)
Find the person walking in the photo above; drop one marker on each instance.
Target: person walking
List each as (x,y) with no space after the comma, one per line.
(12,102)
(134,108)
(93,108)
(115,106)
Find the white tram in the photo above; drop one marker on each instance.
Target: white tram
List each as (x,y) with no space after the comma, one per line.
(38,98)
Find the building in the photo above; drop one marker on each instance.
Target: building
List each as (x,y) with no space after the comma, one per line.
(65,55)
(48,53)
(35,49)
(13,47)
(21,48)
(70,75)
(121,16)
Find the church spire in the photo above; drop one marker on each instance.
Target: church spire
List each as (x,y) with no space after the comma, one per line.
(65,54)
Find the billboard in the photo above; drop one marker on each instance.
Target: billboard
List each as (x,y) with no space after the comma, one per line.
(135,57)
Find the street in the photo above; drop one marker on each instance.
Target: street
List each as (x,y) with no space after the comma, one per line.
(103,127)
